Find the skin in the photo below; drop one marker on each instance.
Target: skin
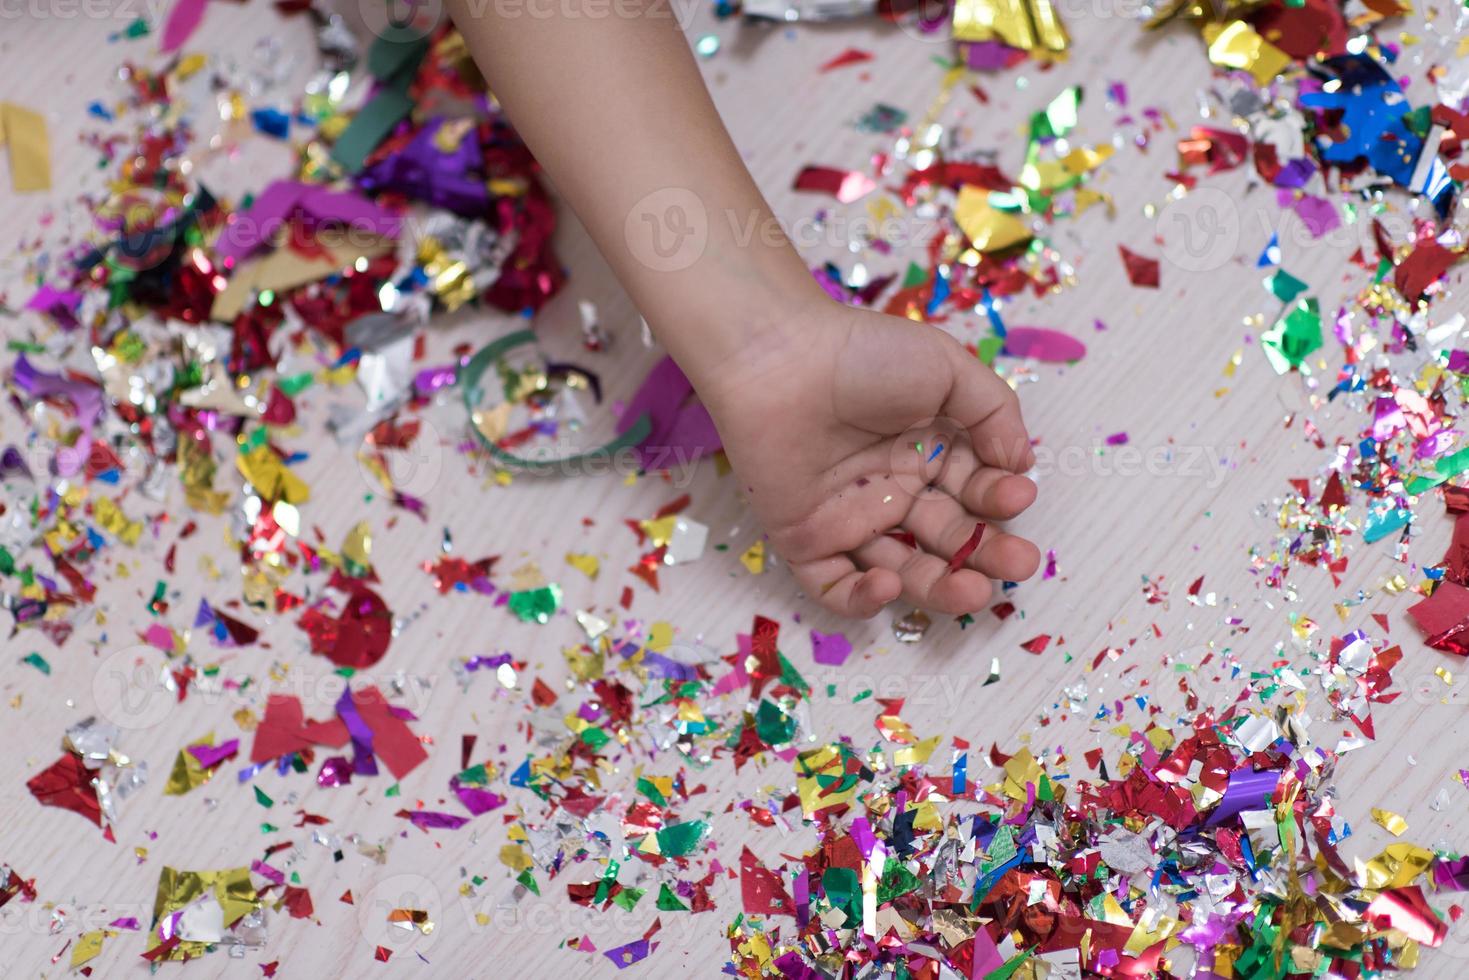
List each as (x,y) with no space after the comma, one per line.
(842,424)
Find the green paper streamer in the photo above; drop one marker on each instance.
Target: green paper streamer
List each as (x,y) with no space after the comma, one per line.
(469,381)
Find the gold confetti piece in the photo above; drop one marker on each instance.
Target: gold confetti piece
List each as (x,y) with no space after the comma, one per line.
(1395,867)
(187,773)
(987,228)
(588,565)
(267,474)
(230,889)
(24,133)
(357,549)
(514,857)
(115,522)
(88,945)
(895,729)
(1391,822)
(916,754)
(1238,45)
(1444,674)
(660,636)
(1031,25)
(754,558)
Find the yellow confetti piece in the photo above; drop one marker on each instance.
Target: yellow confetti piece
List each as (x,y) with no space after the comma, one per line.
(88,945)
(1391,822)
(916,754)
(754,558)
(230,888)
(115,522)
(1238,45)
(988,228)
(268,475)
(588,565)
(660,636)
(24,133)
(1031,25)
(1395,867)
(514,857)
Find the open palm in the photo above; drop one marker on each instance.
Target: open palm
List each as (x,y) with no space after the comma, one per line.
(866,432)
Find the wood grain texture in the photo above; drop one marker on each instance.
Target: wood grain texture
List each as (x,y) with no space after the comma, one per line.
(1153,373)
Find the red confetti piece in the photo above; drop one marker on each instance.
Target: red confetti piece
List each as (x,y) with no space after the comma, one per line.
(851,56)
(1141,270)
(844,185)
(960,556)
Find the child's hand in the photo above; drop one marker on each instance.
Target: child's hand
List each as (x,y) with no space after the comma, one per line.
(844,425)
(831,415)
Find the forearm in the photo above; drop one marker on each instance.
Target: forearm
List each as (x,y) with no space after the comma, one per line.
(616,111)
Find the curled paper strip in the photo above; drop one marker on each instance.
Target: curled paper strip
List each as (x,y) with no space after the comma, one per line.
(469,380)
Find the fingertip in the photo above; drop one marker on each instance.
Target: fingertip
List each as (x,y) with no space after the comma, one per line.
(1012,494)
(961,593)
(1019,560)
(877,588)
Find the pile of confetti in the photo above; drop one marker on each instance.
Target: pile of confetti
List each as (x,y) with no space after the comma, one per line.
(174,342)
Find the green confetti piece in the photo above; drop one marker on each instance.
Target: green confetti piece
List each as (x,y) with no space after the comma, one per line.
(682,839)
(1058,118)
(595,737)
(628,898)
(773,725)
(37,661)
(791,677)
(536,605)
(475,776)
(668,901)
(1008,970)
(369,127)
(529,881)
(843,892)
(296,383)
(915,276)
(262,799)
(1294,337)
(1284,286)
(396,790)
(989,348)
(646,787)
(268,828)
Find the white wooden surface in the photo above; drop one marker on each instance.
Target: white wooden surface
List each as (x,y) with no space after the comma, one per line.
(1153,373)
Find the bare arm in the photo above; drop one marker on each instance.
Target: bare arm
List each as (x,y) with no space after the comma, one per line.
(613,105)
(844,426)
